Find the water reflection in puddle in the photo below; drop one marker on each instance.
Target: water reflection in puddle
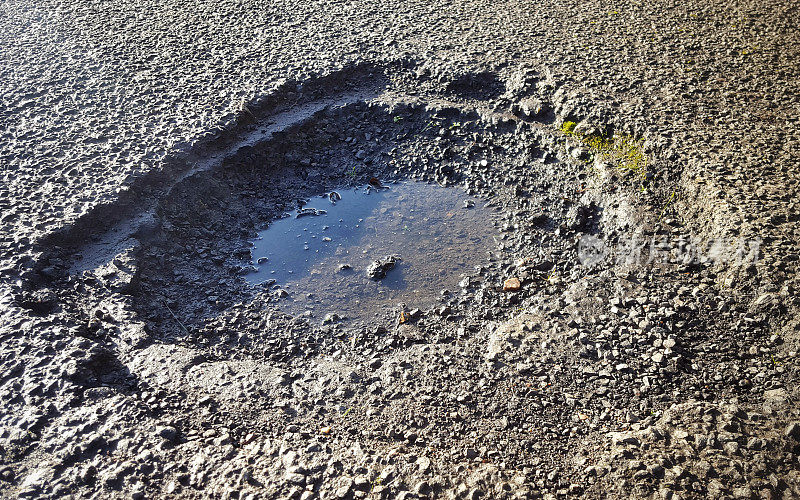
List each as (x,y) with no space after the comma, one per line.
(320,254)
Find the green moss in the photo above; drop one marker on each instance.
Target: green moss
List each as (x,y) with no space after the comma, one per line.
(598,144)
(630,155)
(624,151)
(568,127)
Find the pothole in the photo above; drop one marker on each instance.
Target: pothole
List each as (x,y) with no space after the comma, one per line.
(477,198)
(201,275)
(351,252)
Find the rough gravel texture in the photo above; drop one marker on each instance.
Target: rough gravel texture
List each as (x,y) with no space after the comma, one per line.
(144,143)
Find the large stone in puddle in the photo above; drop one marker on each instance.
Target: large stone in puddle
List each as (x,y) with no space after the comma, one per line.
(378,268)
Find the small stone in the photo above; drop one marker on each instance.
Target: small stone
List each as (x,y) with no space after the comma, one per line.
(387,475)
(656,470)
(331,318)
(703,470)
(731,448)
(7,474)
(295,478)
(793,431)
(169,433)
(715,488)
(325,431)
(530,108)
(343,488)
(512,285)
(680,434)
(361,483)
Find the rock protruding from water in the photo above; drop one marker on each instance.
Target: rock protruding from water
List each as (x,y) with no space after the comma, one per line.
(378,268)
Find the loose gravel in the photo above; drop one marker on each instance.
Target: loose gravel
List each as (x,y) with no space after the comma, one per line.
(632,334)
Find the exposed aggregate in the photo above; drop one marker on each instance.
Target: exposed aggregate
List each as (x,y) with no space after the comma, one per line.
(145,377)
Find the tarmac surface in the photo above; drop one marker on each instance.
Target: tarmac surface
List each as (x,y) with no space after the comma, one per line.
(117,117)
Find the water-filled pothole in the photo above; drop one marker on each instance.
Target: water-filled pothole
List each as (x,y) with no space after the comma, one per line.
(422,235)
(197,276)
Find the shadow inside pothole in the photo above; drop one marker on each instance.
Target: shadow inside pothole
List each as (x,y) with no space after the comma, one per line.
(483,85)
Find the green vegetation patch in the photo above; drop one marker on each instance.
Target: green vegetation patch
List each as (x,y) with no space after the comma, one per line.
(624,151)
(568,127)
(627,152)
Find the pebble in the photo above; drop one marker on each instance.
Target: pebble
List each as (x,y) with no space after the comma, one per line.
(512,285)
(793,431)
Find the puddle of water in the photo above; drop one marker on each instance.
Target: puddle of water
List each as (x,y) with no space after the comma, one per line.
(321,258)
